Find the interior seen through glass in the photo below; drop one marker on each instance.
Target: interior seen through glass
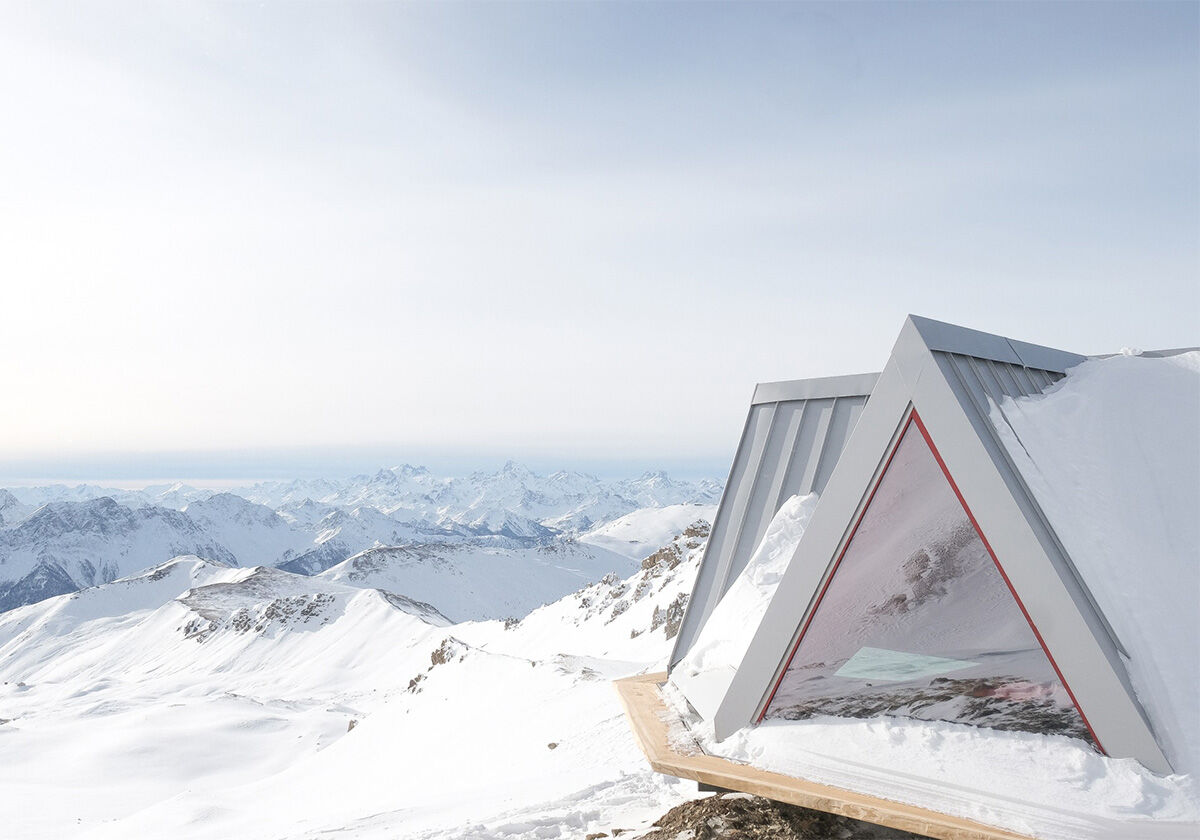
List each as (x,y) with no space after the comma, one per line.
(917,621)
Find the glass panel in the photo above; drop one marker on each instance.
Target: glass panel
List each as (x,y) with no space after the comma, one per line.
(918,622)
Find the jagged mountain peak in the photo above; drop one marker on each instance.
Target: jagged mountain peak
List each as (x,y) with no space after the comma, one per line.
(230,504)
(410,470)
(99,514)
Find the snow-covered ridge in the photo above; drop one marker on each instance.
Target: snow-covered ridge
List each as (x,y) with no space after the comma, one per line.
(480,581)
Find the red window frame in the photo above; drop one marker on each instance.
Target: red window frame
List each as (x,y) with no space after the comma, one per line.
(915,419)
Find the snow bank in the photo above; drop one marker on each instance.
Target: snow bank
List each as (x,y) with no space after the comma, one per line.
(1038,785)
(637,534)
(1112,454)
(705,673)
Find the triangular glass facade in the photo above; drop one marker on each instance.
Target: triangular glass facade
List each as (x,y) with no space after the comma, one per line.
(917,620)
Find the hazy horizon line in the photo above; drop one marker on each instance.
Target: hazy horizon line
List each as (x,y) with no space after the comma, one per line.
(224,470)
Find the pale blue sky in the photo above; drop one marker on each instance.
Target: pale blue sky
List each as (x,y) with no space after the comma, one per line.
(340,234)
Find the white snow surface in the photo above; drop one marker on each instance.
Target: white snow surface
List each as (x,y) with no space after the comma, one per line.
(704,674)
(254,534)
(1042,786)
(480,582)
(640,532)
(1112,455)
(198,700)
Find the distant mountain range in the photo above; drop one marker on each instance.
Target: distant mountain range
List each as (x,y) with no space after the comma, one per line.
(58,539)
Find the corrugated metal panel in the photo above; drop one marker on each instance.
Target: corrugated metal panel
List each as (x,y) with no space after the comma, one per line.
(788,447)
(986,378)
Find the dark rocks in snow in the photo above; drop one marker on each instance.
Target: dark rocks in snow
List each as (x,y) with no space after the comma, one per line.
(424,611)
(45,581)
(747,817)
(665,559)
(671,618)
(449,650)
(318,559)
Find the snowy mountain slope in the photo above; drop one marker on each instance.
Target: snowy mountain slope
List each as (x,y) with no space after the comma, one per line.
(478,730)
(33,637)
(175,495)
(484,746)
(471,581)
(278,494)
(343,532)
(318,558)
(657,489)
(254,534)
(186,676)
(362,527)
(503,523)
(152,624)
(631,619)
(406,492)
(642,531)
(68,545)
(304,514)
(12,511)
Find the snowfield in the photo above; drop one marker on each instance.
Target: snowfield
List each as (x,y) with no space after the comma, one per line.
(636,534)
(473,581)
(198,699)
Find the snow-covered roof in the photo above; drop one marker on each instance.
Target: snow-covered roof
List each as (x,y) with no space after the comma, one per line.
(1112,456)
(1060,465)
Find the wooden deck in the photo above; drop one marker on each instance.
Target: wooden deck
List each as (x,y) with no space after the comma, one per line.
(647,714)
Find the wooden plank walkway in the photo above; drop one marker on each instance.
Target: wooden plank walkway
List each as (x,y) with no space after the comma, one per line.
(648,714)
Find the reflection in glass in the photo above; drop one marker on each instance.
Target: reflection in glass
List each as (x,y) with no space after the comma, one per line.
(918,622)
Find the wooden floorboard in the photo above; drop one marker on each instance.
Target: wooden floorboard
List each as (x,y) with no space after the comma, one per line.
(648,715)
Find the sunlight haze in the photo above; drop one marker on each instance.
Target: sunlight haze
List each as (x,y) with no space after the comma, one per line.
(573,232)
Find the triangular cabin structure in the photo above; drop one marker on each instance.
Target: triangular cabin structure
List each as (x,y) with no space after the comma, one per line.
(919,495)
